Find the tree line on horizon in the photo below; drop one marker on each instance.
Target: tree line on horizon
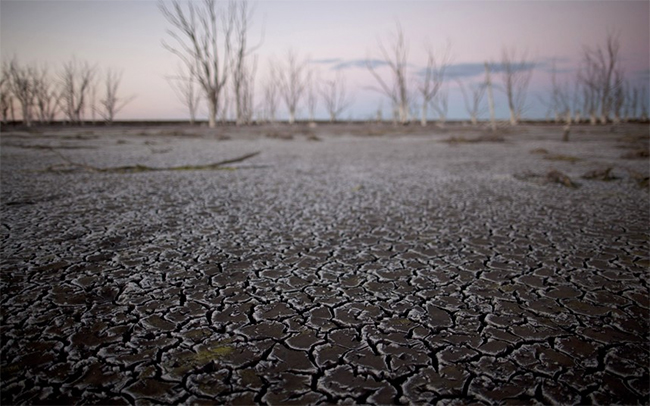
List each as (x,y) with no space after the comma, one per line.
(218,66)
(70,93)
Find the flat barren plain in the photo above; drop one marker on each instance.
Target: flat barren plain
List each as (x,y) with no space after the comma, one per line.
(345,264)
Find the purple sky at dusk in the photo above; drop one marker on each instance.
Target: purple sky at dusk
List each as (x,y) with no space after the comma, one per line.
(127,35)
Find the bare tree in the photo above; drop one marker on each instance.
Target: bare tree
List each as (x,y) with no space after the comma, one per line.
(335,96)
(21,83)
(5,93)
(292,77)
(196,31)
(246,97)
(76,81)
(184,87)
(47,96)
(643,104)
(588,79)
(559,102)
(602,74)
(473,99)
(440,105)
(112,103)
(516,74)
(242,13)
(396,57)
(488,86)
(618,96)
(312,93)
(271,97)
(433,78)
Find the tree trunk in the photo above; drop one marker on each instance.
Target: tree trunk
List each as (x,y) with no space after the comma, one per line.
(423,120)
(488,83)
(441,122)
(513,116)
(212,115)
(292,117)
(403,114)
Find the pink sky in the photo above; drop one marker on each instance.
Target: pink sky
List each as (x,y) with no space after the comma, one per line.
(127,35)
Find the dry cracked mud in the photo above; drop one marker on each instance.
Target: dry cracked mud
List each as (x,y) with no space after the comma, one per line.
(393,269)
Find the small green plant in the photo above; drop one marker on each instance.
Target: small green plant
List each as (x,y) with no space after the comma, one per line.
(562,158)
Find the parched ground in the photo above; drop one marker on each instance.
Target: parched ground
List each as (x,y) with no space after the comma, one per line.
(342,264)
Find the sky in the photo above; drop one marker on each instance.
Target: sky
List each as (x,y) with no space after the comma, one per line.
(334,35)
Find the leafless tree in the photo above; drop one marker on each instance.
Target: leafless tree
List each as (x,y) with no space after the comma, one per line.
(21,83)
(433,77)
(197,32)
(440,104)
(93,102)
(76,81)
(112,103)
(5,93)
(473,98)
(643,103)
(602,74)
(618,96)
(559,102)
(184,87)
(246,96)
(516,73)
(312,93)
(292,77)
(335,96)
(242,70)
(271,97)
(488,86)
(588,79)
(396,57)
(46,94)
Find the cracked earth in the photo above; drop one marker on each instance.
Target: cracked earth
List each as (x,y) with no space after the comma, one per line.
(332,267)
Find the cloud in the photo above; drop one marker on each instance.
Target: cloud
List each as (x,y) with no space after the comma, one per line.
(359,63)
(453,72)
(325,61)
(456,71)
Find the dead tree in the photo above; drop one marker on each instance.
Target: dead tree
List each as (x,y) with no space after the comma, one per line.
(440,105)
(433,78)
(246,97)
(76,81)
(21,83)
(516,74)
(5,93)
(601,65)
(312,93)
(643,104)
(242,71)
(488,86)
(112,103)
(271,97)
(588,79)
(202,41)
(292,78)
(46,95)
(559,95)
(184,86)
(396,57)
(335,96)
(473,98)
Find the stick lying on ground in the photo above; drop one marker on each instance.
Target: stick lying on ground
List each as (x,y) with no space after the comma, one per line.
(71,166)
